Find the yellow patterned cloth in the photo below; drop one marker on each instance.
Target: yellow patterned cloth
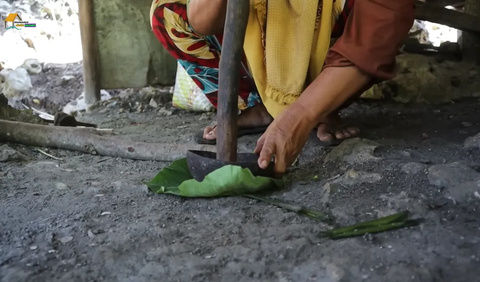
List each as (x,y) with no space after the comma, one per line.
(297,38)
(286,44)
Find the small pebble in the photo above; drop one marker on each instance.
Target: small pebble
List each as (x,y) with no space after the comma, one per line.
(65,239)
(153,103)
(368,237)
(204,116)
(466,124)
(66,78)
(61,186)
(90,234)
(33,248)
(164,112)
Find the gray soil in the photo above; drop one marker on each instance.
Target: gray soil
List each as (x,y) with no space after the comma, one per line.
(90,218)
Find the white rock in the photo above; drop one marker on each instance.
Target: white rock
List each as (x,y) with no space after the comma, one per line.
(472,142)
(413,168)
(91,234)
(460,180)
(66,78)
(61,186)
(5,72)
(3,77)
(65,239)
(9,154)
(153,104)
(104,95)
(33,66)
(79,104)
(17,81)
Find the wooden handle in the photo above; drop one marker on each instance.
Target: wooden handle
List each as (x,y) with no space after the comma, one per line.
(229,79)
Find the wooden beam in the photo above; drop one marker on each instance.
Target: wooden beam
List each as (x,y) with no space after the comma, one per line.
(91,62)
(438,14)
(443,3)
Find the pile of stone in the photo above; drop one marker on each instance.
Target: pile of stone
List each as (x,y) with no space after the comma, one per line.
(16,82)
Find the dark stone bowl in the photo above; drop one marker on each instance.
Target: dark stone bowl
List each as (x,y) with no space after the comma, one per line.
(201,163)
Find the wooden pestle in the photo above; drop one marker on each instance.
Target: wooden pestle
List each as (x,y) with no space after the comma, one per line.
(229,79)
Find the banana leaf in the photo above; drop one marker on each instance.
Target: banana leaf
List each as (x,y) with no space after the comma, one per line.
(229,180)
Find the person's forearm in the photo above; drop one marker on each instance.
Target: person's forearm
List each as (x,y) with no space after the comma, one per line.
(330,90)
(207,17)
(367,49)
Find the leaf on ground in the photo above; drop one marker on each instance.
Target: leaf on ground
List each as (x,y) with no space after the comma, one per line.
(170,177)
(229,180)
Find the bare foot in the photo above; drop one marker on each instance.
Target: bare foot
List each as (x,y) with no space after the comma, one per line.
(331,129)
(251,117)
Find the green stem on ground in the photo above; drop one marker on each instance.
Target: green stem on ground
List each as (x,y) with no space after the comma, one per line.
(316,215)
(334,234)
(392,222)
(398,217)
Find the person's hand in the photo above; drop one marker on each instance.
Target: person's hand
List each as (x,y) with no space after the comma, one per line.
(285,138)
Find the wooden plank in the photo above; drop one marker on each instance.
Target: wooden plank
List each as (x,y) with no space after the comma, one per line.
(438,14)
(229,79)
(91,71)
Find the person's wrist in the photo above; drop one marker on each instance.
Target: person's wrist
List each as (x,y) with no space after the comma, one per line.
(304,114)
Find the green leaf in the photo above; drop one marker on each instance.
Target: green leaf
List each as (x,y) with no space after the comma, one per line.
(169,178)
(229,180)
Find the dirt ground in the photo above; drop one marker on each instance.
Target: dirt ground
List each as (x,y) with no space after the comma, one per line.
(90,218)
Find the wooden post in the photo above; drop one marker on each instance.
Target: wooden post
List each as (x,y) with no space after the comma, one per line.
(471,41)
(91,62)
(229,79)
